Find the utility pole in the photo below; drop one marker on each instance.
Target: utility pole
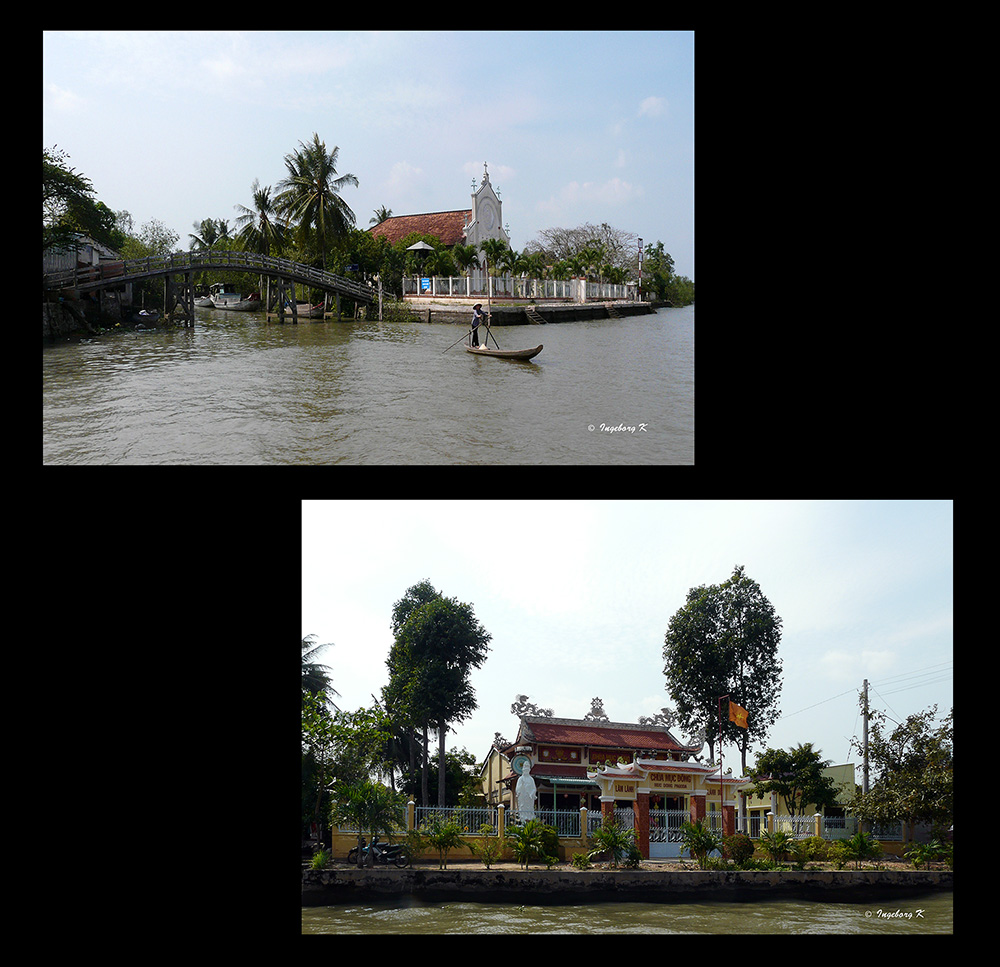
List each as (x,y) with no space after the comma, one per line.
(864,712)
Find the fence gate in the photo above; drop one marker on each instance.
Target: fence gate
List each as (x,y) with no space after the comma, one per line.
(665,831)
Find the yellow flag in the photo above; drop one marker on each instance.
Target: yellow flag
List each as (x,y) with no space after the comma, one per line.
(738,715)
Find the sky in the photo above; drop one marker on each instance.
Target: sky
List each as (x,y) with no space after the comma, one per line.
(577,596)
(574,127)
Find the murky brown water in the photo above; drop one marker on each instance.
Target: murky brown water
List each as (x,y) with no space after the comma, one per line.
(236,390)
(932,913)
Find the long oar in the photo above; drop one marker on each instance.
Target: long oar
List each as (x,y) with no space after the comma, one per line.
(457,341)
(489,310)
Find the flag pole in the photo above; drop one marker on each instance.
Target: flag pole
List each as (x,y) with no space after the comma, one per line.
(722,798)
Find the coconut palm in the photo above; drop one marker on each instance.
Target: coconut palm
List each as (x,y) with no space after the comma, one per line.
(260,229)
(315,677)
(310,195)
(380,215)
(209,231)
(465,256)
(493,249)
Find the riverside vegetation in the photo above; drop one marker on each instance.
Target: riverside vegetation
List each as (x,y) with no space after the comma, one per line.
(535,841)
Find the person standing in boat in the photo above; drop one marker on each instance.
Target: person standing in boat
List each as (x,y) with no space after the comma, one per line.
(477,316)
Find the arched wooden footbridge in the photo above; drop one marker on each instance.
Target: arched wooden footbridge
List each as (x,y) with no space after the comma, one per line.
(114,274)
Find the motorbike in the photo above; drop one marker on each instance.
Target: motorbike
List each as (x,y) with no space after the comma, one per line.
(386,853)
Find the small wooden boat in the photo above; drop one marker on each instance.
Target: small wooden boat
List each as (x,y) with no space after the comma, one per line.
(244,305)
(503,354)
(305,311)
(302,311)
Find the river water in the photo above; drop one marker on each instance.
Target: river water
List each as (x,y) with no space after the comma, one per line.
(235,389)
(931,913)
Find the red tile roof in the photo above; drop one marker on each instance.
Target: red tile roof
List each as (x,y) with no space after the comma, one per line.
(447,226)
(614,735)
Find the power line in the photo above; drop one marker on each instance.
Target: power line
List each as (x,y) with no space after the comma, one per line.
(806,709)
(936,669)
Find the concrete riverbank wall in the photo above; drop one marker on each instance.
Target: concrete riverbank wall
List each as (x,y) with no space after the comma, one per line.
(323,887)
(517,315)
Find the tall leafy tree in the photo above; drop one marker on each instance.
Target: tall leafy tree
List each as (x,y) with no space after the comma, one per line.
(402,694)
(436,647)
(695,663)
(310,195)
(724,641)
(752,633)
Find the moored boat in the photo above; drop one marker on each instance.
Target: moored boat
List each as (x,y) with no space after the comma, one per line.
(305,311)
(244,305)
(223,299)
(504,354)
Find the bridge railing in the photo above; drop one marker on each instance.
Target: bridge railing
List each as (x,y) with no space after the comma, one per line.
(97,276)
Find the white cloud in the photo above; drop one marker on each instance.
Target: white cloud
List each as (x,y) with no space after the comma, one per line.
(61,99)
(613,192)
(653,107)
(403,177)
(475,169)
(851,666)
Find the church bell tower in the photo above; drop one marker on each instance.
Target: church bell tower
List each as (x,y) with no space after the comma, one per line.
(487,214)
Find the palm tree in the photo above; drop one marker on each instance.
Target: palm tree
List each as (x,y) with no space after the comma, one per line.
(311,194)
(465,256)
(380,215)
(260,230)
(493,249)
(207,234)
(315,677)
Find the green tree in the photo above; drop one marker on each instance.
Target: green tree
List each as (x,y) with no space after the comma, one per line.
(315,677)
(207,233)
(465,257)
(259,228)
(69,206)
(402,694)
(795,775)
(695,663)
(751,634)
(310,195)
(370,807)
(493,249)
(912,770)
(443,641)
(724,641)
(443,833)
